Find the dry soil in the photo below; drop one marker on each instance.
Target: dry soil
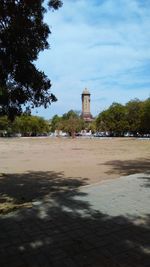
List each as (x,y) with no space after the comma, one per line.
(94,160)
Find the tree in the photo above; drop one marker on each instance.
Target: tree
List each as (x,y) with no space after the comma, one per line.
(23,34)
(92,126)
(113,120)
(134,113)
(145,117)
(71,123)
(101,121)
(4,123)
(22,124)
(30,125)
(55,123)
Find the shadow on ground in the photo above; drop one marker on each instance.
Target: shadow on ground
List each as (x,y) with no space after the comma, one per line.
(32,186)
(127,167)
(62,229)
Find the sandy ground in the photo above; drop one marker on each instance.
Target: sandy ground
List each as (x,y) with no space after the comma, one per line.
(94,160)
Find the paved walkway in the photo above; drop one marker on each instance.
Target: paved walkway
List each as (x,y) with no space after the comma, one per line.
(102,225)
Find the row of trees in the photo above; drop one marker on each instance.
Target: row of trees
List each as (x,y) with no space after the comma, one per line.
(134,117)
(26,125)
(118,119)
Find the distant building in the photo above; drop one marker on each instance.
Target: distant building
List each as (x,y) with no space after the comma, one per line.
(86,114)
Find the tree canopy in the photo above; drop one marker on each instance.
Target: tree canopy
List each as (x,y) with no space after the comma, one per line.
(145,118)
(113,119)
(23,34)
(118,120)
(26,125)
(70,122)
(133,117)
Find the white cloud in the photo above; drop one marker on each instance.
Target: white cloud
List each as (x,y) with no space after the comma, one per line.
(96,44)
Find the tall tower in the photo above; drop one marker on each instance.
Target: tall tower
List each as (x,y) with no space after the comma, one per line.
(86,114)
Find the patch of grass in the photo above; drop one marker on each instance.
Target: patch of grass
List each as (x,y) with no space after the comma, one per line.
(7,205)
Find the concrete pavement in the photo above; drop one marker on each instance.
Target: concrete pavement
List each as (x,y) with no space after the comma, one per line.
(101,225)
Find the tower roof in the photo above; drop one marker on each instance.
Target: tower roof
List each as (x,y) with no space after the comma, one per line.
(85,92)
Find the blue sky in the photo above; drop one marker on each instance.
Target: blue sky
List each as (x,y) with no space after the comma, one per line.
(103,45)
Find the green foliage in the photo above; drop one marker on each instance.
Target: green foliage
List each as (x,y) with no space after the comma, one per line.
(145,118)
(25,124)
(102,121)
(118,119)
(70,122)
(70,114)
(55,123)
(92,126)
(4,123)
(134,115)
(23,34)
(30,125)
(113,119)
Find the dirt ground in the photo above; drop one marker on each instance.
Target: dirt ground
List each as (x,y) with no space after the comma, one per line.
(92,160)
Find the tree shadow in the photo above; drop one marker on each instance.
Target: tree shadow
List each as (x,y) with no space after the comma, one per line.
(62,229)
(127,167)
(32,186)
(146,180)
